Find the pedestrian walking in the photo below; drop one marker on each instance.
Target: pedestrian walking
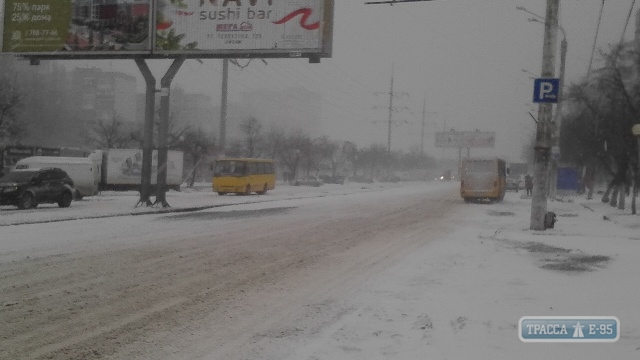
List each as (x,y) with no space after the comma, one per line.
(528,184)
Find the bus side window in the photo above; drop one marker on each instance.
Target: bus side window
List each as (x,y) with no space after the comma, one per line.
(261,168)
(239,168)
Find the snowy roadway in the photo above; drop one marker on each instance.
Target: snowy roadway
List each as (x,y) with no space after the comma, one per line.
(391,271)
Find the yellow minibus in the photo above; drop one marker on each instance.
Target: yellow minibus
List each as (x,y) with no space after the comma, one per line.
(243,176)
(483,179)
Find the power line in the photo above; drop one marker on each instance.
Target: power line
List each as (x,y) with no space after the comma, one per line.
(593,49)
(624,30)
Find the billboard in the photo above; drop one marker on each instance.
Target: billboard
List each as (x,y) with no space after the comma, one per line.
(266,25)
(168,28)
(465,139)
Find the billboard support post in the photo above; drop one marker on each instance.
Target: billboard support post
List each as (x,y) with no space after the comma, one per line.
(223,106)
(147,136)
(163,130)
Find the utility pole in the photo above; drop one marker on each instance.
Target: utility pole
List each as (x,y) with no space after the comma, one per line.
(391,109)
(543,130)
(390,112)
(424,115)
(555,137)
(424,119)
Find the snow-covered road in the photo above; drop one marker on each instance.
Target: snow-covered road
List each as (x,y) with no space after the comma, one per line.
(391,271)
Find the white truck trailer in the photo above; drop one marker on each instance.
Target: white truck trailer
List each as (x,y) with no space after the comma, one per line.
(84,172)
(112,169)
(122,169)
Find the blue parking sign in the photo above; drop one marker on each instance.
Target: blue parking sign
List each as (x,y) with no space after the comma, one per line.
(545,90)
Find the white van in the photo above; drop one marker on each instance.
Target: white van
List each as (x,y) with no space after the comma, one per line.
(84,172)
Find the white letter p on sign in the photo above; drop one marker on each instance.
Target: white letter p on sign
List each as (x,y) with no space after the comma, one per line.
(545,89)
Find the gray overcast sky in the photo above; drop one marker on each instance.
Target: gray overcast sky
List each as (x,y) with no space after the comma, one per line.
(465,57)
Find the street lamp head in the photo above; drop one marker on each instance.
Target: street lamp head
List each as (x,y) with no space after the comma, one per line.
(635,130)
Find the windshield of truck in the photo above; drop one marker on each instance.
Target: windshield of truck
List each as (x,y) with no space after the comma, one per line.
(481,167)
(18,176)
(230,168)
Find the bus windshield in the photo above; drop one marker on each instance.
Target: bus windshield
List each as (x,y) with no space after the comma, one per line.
(230,168)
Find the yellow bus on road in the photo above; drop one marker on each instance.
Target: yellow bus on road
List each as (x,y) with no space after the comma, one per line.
(482,179)
(243,176)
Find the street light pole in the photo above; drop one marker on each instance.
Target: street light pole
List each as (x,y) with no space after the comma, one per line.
(543,130)
(555,139)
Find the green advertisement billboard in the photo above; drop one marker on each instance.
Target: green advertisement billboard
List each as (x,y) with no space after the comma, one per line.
(34,26)
(78,26)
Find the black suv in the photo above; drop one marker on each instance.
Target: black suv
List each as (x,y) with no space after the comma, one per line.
(26,188)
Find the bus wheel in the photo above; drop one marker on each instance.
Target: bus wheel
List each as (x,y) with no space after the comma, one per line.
(247,191)
(264,190)
(221,193)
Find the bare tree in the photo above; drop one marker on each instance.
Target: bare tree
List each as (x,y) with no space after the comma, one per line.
(275,140)
(601,113)
(295,146)
(107,134)
(176,132)
(10,102)
(196,145)
(250,128)
(329,154)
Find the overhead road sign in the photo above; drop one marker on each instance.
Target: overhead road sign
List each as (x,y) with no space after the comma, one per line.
(465,139)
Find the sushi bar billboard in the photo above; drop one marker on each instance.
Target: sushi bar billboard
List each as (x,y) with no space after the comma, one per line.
(167,28)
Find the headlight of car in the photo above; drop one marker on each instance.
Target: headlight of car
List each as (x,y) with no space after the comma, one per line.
(8,189)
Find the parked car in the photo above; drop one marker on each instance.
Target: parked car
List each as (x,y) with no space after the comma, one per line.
(308,181)
(26,188)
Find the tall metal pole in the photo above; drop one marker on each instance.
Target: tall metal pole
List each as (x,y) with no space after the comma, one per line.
(223,106)
(424,109)
(543,131)
(390,112)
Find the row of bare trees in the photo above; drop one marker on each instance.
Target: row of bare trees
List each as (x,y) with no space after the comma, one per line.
(300,154)
(596,129)
(297,152)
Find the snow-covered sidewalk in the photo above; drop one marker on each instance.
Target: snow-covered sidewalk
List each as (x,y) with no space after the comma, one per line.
(123,203)
(462,296)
